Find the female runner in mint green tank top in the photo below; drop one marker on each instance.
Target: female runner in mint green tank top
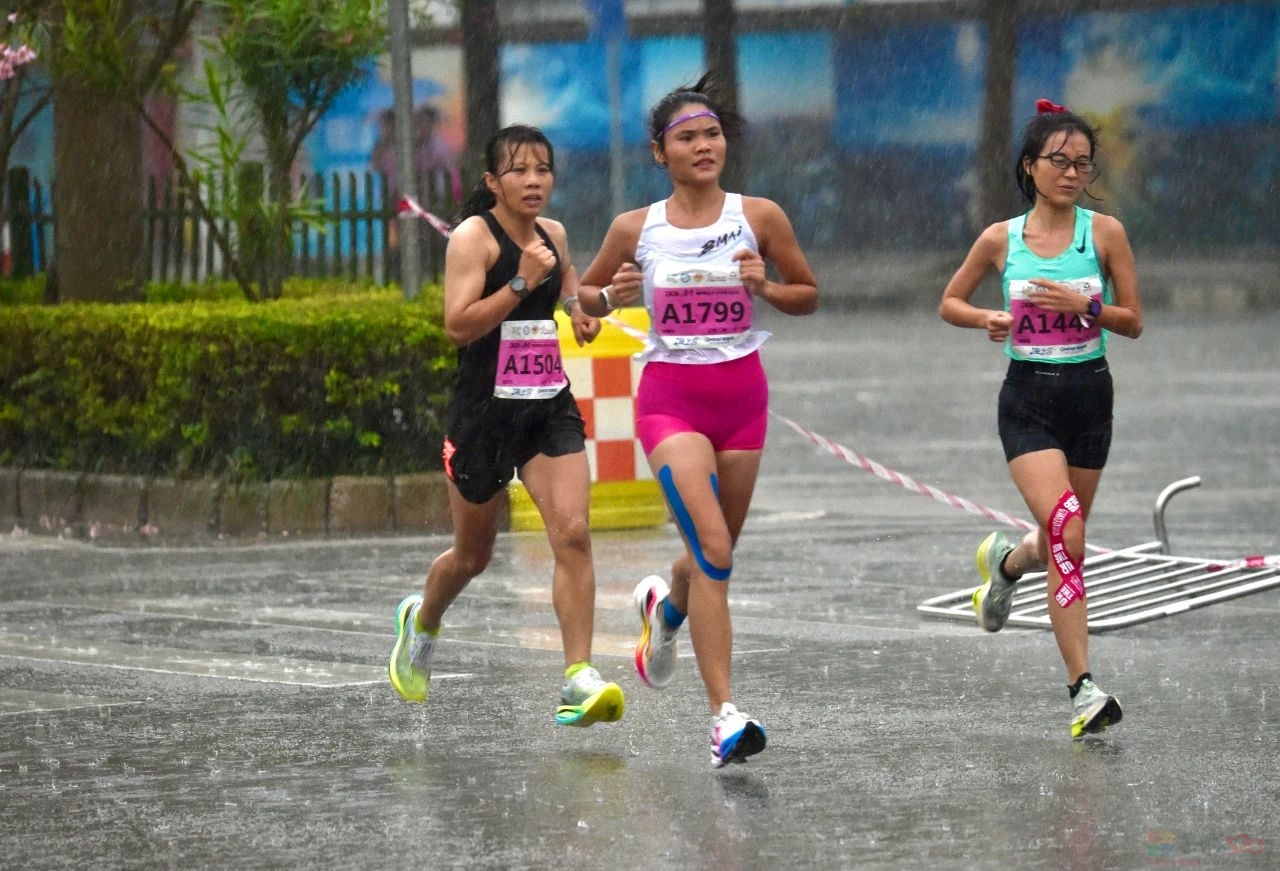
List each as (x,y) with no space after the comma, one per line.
(1069,279)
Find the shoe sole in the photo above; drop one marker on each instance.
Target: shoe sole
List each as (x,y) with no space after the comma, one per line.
(1108,715)
(643,604)
(980,594)
(605,706)
(751,740)
(402,617)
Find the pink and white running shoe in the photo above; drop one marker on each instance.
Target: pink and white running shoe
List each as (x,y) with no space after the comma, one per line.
(656,651)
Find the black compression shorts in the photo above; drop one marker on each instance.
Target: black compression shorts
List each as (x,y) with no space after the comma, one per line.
(1066,406)
(484,447)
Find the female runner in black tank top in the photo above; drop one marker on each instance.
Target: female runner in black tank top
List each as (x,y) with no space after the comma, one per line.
(505,271)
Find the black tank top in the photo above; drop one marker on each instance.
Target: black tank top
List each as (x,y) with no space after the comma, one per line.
(478,361)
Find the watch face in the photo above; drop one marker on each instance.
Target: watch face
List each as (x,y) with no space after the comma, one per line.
(519,285)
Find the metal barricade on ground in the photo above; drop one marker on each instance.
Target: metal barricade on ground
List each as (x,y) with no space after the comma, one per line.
(1132,585)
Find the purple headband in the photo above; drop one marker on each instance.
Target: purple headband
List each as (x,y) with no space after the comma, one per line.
(705,113)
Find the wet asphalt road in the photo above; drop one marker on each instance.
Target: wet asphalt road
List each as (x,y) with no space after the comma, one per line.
(226,706)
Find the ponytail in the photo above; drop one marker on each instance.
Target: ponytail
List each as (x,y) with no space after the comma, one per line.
(480,200)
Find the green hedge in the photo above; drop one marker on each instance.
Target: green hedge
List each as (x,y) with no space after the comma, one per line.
(332,383)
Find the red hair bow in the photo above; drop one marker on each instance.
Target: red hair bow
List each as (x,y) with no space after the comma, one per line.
(1043,106)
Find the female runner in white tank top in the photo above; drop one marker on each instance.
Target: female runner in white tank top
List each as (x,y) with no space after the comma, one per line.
(697,261)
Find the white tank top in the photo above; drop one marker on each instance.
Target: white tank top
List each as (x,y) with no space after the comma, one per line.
(699,310)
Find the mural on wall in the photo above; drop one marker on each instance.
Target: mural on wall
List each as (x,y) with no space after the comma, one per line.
(563,88)
(34,148)
(1188,102)
(868,138)
(355,136)
(908,102)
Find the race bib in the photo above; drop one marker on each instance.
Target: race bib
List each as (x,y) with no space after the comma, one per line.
(529,364)
(696,307)
(1037,334)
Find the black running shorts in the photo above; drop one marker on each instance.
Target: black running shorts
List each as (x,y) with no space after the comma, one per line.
(1066,406)
(485,446)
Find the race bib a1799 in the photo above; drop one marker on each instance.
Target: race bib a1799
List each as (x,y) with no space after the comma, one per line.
(696,307)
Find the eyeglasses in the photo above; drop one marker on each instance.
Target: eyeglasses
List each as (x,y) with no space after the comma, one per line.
(1083,165)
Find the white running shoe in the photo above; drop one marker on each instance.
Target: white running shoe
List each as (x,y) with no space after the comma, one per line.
(656,651)
(1093,710)
(734,736)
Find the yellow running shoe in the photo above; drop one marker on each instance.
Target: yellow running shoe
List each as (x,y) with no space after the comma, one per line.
(992,600)
(1093,710)
(588,698)
(410,665)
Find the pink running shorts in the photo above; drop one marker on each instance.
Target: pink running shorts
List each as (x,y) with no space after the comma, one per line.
(726,402)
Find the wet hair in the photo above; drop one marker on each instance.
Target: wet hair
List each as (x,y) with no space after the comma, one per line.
(499,153)
(702,91)
(1034,136)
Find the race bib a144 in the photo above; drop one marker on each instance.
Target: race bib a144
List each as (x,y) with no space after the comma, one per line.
(1039,334)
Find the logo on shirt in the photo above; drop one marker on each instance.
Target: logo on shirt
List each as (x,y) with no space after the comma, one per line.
(720,241)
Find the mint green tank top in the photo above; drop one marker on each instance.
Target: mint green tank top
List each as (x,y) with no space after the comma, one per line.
(1054,337)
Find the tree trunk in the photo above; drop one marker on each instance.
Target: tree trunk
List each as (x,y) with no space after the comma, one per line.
(99,246)
(481,75)
(997,194)
(720,34)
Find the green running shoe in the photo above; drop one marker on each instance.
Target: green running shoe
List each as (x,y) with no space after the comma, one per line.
(588,698)
(992,600)
(1092,710)
(410,665)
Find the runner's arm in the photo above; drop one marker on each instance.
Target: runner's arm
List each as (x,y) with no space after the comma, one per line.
(468,257)
(1124,317)
(987,253)
(585,327)
(613,268)
(797,293)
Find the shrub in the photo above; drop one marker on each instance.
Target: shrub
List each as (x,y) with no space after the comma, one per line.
(315,384)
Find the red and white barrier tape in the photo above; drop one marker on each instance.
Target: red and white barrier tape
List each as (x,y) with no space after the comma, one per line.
(1271,561)
(409,206)
(867,464)
(638,334)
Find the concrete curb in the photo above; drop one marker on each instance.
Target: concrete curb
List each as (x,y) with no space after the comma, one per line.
(120,507)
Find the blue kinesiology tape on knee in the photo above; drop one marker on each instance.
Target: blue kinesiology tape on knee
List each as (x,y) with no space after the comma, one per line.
(685,523)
